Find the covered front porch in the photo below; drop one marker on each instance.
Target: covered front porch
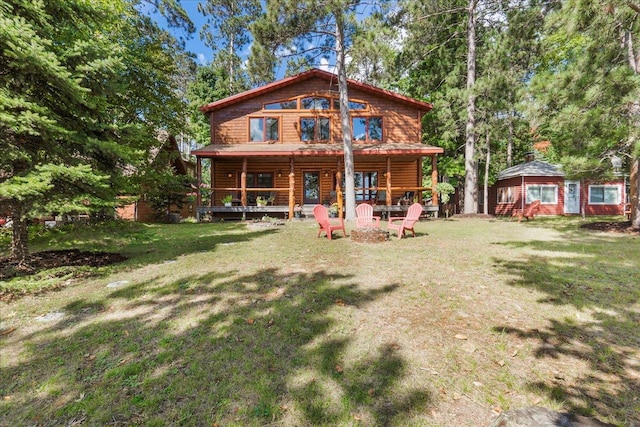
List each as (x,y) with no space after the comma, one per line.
(288,182)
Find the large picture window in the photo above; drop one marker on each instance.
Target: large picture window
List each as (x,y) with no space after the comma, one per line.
(258,180)
(547,194)
(604,195)
(506,194)
(282,105)
(364,182)
(315,103)
(264,129)
(314,128)
(367,128)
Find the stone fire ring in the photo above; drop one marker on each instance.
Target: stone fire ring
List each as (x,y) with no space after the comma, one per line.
(369,235)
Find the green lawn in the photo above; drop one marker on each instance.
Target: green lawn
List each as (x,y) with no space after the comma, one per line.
(225,324)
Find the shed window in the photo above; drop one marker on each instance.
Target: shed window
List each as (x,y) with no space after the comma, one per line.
(604,195)
(506,194)
(547,194)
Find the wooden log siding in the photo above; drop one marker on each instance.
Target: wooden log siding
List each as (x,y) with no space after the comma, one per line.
(229,120)
(232,123)
(403,178)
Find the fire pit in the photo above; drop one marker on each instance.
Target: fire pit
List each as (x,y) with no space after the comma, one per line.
(369,235)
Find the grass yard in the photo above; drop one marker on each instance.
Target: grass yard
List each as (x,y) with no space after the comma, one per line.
(229,325)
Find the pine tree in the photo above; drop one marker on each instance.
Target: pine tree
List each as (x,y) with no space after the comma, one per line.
(83,88)
(586,91)
(310,29)
(226,32)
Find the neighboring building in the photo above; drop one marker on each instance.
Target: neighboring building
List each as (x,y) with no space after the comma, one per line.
(140,209)
(283,142)
(518,186)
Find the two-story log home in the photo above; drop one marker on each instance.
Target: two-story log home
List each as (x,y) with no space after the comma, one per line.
(283,143)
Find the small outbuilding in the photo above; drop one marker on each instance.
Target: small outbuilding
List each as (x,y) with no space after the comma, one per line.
(519,186)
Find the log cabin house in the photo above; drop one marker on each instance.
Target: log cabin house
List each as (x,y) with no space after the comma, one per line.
(282,143)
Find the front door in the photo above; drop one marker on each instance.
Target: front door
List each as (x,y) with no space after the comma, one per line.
(311,189)
(572,197)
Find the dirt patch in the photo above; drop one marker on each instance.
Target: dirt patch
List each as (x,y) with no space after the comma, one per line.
(613,227)
(52,259)
(475,215)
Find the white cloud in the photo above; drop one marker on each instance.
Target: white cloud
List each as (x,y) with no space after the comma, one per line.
(202,59)
(325,66)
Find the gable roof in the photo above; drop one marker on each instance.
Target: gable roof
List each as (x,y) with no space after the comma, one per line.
(306,75)
(534,168)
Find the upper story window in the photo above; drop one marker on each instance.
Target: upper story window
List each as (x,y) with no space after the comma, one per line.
(367,128)
(604,195)
(547,194)
(263,129)
(315,103)
(353,105)
(282,105)
(314,128)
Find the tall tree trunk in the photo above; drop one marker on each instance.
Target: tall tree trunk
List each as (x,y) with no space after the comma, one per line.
(510,140)
(350,193)
(485,189)
(470,163)
(635,193)
(632,57)
(19,243)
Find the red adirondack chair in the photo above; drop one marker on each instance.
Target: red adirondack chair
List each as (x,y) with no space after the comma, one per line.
(321,215)
(365,217)
(413,215)
(530,211)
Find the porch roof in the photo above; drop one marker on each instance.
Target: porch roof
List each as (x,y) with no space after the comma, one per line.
(534,168)
(299,150)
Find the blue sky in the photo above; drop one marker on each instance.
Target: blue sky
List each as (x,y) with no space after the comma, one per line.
(194,44)
(203,53)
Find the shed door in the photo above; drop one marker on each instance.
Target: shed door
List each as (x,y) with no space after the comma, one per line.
(572,197)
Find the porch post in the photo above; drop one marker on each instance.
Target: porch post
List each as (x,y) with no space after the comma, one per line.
(198,182)
(388,191)
(243,187)
(339,197)
(292,187)
(212,180)
(434,180)
(420,179)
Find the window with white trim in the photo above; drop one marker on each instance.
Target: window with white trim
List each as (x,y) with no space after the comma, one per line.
(506,194)
(604,195)
(546,193)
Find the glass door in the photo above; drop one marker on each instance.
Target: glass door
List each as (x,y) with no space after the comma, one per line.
(311,188)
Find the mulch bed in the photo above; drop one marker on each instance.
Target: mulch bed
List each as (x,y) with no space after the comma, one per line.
(61,258)
(613,226)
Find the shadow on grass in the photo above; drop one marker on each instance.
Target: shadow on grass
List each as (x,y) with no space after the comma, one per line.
(140,244)
(600,277)
(223,347)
